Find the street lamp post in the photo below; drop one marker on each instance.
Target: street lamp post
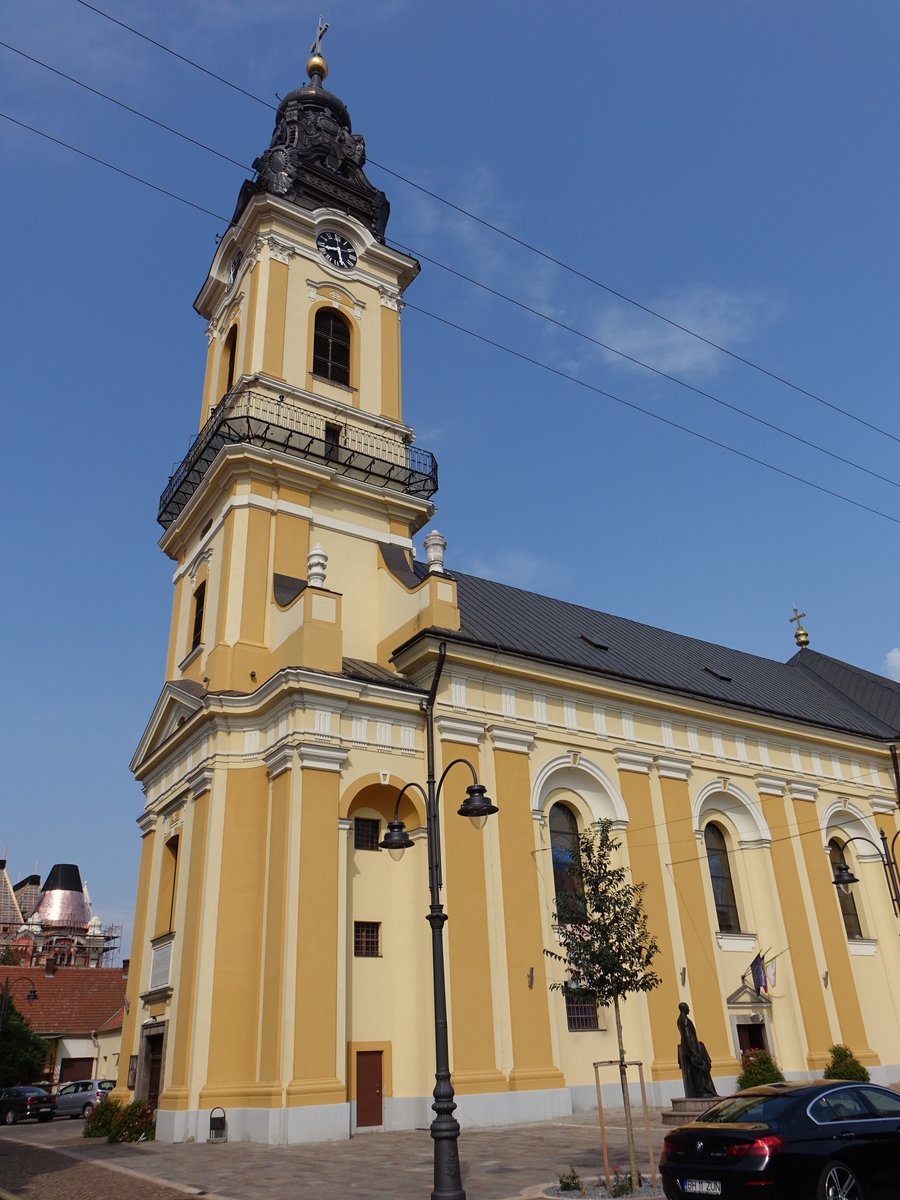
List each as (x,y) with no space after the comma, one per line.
(477,807)
(844,877)
(6,996)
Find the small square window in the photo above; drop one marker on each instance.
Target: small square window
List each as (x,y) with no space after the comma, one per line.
(581,1011)
(366,831)
(366,939)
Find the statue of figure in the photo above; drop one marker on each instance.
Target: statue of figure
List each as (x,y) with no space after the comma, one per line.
(693,1058)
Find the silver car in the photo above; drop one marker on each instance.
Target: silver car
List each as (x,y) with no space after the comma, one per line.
(79,1099)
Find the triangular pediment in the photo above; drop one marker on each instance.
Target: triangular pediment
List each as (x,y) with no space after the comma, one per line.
(177,703)
(746,997)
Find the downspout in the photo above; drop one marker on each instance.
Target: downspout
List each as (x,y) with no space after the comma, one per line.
(896,766)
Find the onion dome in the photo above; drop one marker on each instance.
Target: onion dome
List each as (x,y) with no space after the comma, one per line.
(62,903)
(314,159)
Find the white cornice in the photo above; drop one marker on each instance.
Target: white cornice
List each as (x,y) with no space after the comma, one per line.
(635,761)
(673,768)
(456,729)
(146,822)
(862,946)
(200,779)
(803,791)
(516,740)
(882,804)
(279,759)
(320,758)
(770,785)
(736,941)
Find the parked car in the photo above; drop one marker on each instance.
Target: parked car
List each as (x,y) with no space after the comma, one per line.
(25,1103)
(831,1139)
(79,1099)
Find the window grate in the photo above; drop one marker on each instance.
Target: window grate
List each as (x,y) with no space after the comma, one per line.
(331,347)
(581,1011)
(366,939)
(366,831)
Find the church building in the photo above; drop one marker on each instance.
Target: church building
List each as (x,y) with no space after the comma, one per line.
(281,964)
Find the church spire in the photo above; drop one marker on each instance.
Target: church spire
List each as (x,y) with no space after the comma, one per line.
(314,159)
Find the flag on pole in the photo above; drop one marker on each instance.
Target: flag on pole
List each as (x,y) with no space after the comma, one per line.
(771,968)
(758,975)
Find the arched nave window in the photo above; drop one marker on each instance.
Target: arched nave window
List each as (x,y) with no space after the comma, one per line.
(567,881)
(847,903)
(331,347)
(720,877)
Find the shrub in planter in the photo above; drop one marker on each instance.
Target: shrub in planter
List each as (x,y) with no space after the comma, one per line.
(102,1119)
(758,1066)
(845,1065)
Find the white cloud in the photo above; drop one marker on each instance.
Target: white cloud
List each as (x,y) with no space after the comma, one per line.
(891,666)
(520,568)
(729,317)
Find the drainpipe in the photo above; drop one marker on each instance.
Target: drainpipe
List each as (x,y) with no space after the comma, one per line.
(896,766)
(96,1041)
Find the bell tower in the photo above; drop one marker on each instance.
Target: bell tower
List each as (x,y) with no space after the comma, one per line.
(291,518)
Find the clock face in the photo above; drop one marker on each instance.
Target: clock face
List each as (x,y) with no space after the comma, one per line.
(336,249)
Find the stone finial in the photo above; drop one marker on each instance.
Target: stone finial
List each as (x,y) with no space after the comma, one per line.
(315,566)
(435,545)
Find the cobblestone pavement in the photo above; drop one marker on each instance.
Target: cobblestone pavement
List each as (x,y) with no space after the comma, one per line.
(513,1163)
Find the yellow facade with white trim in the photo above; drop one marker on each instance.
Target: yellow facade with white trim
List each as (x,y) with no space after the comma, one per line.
(292,715)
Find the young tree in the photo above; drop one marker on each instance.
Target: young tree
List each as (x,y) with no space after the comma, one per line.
(608,949)
(22,1053)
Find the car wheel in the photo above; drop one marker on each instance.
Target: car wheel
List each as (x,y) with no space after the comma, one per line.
(839,1182)
(87,1110)
(9,1117)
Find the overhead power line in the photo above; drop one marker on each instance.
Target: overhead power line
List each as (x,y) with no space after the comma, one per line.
(799,439)
(481,337)
(639,362)
(648,412)
(526,245)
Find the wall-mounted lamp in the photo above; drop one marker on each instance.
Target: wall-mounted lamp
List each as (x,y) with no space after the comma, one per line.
(531,977)
(683,976)
(825,980)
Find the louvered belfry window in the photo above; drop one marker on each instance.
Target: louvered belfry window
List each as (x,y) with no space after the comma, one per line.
(331,347)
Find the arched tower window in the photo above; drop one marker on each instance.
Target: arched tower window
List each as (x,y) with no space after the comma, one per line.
(720,877)
(331,347)
(230,358)
(567,881)
(847,903)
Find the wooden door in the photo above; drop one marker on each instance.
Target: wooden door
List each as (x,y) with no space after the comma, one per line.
(154,1050)
(751,1037)
(368,1088)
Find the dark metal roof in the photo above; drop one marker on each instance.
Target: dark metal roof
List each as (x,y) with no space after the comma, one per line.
(369,672)
(510,619)
(872,693)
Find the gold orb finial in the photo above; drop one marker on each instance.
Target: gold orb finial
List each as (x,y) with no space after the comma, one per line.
(801,637)
(316,65)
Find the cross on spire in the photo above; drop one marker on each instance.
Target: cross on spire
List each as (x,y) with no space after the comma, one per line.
(322,29)
(801,637)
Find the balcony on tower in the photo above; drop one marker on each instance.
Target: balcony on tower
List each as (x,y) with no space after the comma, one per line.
(349,441)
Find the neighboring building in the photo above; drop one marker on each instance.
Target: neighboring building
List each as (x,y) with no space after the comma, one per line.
(10,912)
(73,1009)
(281,963)
(57,925)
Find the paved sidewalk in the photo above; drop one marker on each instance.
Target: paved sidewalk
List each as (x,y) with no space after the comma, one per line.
(513,1163)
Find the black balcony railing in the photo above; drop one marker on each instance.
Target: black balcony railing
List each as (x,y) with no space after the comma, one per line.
(277,424)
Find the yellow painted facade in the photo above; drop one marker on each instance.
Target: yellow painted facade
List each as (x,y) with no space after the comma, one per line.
(281,962)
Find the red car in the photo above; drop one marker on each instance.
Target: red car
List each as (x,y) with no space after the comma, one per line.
(26,1103)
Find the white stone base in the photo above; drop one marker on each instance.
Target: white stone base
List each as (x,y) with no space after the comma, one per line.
(265,1126)
(513,1108)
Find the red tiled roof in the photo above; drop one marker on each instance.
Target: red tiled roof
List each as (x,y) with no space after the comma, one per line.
(73,1001)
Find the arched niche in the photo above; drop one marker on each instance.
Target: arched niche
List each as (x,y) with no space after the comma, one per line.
(583,780)
(845,820)
(374,795)
(743,814)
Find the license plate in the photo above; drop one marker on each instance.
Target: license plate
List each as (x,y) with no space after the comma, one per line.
(43,1110)
(703,1187)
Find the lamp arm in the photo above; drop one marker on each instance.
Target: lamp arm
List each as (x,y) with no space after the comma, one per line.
(887,863)
(446,769)
(402,793)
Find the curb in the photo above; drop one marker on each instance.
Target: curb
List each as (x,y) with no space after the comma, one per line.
(185,1188)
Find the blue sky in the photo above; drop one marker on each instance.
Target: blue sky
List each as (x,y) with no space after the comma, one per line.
(731,165)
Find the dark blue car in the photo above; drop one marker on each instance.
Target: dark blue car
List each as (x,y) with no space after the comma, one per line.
(828,1139)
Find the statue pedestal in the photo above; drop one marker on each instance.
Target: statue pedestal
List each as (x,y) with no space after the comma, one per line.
(686,1109)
